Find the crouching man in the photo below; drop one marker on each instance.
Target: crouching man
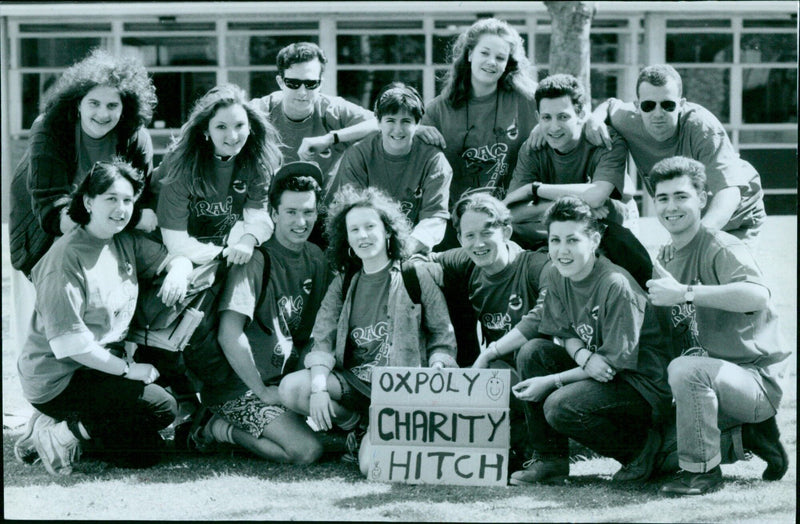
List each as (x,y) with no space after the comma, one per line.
(714,292)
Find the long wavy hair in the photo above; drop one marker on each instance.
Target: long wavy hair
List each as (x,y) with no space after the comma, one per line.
(519,76)
(100,68)
(192,156)
(394,220)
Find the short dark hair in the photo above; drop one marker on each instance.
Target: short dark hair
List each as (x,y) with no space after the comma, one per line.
(678,166)
(397,97)
(659,75)
(482,203)
(556,86)
(572,209)
(97,182)
(300,184)
(299,53)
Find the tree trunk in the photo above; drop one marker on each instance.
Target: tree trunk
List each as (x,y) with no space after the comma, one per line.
(569,40)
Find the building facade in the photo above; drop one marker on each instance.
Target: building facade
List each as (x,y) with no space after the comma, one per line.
(738,59)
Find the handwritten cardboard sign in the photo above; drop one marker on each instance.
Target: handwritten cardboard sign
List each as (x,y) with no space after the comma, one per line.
(445,426)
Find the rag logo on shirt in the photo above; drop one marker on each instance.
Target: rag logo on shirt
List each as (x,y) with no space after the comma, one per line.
(487,161)
(364,338)
(496,322)
(204,208)
(290,309)
(586,333)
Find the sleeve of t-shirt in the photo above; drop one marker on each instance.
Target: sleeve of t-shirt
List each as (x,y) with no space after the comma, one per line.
(555,319)
(455,262)
(527,169)
(735,263)
(436,188)
(622,116)
(621,320)
(611,164)
(352,170)
(346,114)
(257,190)
(711,146)
(537,267)
(242,286)
(150,255)
(173,204)
(433,115)
(60,302)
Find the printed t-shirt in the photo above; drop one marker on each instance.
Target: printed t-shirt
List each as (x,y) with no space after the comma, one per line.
(210,219)
(297,282)
(330,113)
(368,337)
(699,136)
(86,286)
(751,340)
(483,138)
(585,163)
(610,313)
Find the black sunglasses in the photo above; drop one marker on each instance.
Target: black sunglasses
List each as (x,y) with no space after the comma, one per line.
(295,83)
(667,105)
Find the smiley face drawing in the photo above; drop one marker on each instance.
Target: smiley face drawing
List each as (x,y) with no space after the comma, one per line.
(494,387)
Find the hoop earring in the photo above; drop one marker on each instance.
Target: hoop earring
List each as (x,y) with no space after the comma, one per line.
(350,252)
(206,138)
(388,244)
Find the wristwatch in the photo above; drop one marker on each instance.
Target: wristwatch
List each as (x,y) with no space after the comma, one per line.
(689,295)
(535,192)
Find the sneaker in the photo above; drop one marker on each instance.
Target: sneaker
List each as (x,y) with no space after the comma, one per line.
(641,467)
(764,440)
(24,449)
(57,446)
(353,443)
(541,469)
(688,483)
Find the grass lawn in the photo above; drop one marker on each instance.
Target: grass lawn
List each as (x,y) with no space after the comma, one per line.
(233,485)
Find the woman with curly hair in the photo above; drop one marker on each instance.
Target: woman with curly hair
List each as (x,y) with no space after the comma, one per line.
(485,111)
(215,175)
(98,109)
(367,318)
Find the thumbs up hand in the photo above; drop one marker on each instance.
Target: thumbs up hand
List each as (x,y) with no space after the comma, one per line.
(664,290)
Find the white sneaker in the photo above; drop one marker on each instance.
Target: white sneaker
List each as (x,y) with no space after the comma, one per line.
(24,449)
(58,448)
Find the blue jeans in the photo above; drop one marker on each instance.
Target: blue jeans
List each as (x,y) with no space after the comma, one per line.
(712,395)
(609,418)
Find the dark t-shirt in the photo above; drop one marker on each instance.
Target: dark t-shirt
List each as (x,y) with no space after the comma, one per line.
(610,313)
(368,336)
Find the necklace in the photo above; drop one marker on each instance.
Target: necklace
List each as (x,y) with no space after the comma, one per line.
(494,123)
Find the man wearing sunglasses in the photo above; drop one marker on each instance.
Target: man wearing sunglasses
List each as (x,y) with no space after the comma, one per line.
(662,124)
(313,126)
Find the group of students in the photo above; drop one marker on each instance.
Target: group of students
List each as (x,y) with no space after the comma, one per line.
(499,205)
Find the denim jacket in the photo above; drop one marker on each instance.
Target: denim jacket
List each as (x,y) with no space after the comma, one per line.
(419,334)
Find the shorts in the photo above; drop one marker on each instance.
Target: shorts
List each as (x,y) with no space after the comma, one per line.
(248,413)
(353,397)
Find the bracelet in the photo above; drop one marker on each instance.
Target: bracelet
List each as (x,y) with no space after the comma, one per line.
(335,138)
(559,384)
(587,360)
(319,391)
(578,352)
(126,370)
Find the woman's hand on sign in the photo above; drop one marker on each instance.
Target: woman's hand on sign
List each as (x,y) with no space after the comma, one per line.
(533,389)
(321,410)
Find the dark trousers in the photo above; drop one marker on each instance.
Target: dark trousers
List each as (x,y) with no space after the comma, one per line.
(609,418)
(122,416)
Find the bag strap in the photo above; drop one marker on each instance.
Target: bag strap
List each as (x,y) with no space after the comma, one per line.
(410,281)
(264,282)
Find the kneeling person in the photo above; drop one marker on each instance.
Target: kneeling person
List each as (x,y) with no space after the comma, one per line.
(265,322)
(730,376)
(607,386)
